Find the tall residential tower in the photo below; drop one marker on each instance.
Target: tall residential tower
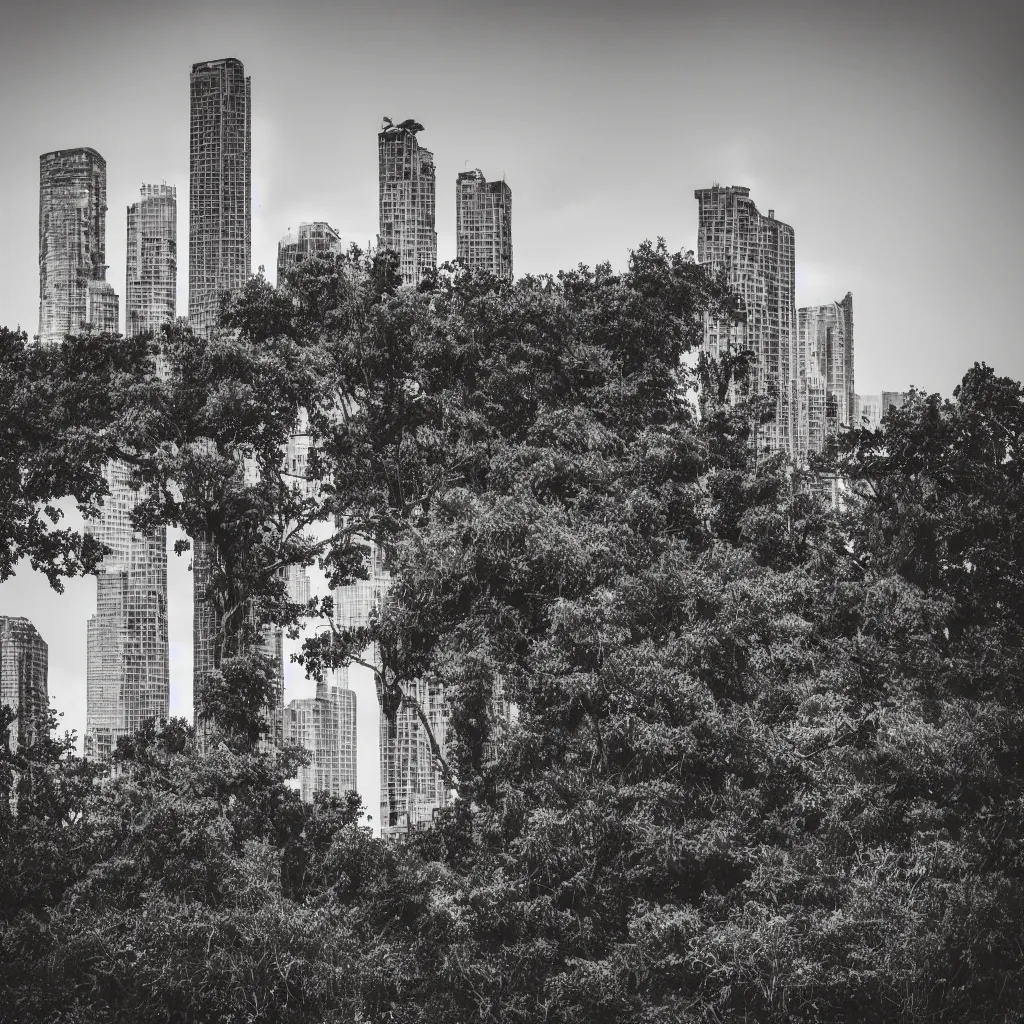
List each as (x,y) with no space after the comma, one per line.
(72,245)
(220,188)
(483,224)
(756,253)
(152,260)
(407,200)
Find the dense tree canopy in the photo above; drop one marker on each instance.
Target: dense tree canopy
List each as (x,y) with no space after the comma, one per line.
(763,761)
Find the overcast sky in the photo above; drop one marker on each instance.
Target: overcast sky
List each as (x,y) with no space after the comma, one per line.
(887,134)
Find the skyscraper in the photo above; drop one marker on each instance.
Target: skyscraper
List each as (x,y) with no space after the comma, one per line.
(825,395)
(220,188)
(152,260)
(23,670)
(127,671)
(483,224)
(325,725)
(312,238)
(756,253)
(407,200)
(72,242)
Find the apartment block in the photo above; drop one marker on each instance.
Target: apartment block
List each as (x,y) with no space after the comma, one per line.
(220,188)
(151,284)
(407,198)
(72,239)
(311,238)
(23,680)
(757,254)
(483,224)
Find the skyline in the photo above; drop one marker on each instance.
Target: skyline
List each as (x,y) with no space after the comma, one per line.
(889,140)
(873,132)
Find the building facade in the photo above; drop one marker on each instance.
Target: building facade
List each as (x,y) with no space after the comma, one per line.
(151,278)
(23,680)
(220,188)
(127,668)
(325,725)
(102,312)
(407,198)
(483,224)
(72,239)
(825,395)
(757,254)
(315,237)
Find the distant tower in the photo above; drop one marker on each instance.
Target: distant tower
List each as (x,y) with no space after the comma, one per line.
(152,260)
(311,238)
(407,200)
(756,253)
(483,224)
(870,410)
(101,313)
(72,242)
(220,188)
(127,670)
(325,725)
(411,787)
(23,670)
(824,370)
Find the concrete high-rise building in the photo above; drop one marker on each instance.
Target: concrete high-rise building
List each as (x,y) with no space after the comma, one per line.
(757,254)
(825,395)
(407,190)
(127,670)
(325,725)
(483,224)
(220,188)
(23,672)
(312,238)
(151,284)
(72,242)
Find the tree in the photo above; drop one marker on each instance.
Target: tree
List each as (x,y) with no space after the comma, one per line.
(765,761)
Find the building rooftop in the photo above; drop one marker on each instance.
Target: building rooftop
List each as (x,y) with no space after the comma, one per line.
(57,153)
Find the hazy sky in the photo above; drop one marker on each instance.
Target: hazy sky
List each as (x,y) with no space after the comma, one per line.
(888,134)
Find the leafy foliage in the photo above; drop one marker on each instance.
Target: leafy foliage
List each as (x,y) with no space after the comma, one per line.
(765,758)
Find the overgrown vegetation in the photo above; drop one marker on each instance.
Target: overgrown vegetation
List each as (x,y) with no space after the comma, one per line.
(767,759)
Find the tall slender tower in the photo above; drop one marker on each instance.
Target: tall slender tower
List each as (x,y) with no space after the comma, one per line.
(23,670)
(220,188)
(127,669)
(72,244)
(483,224)
(407,190)
(219,258)
(825,395)
(756,253)
(152,260)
